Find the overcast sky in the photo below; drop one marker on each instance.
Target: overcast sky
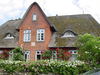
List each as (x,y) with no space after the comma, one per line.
(14,9)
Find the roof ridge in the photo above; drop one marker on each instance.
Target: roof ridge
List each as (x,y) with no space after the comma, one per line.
(71,15)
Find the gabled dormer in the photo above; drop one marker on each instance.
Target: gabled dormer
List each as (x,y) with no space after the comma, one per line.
(68,33)
(9,36)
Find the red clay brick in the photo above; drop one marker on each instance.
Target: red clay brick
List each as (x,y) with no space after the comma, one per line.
(29,24)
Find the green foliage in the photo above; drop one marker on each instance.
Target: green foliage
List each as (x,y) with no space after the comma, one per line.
(4,55)
(11,66)
(83,68)
(63,54)
(89,49)
(17,54)
(55,67)
(47,54)
(45,67)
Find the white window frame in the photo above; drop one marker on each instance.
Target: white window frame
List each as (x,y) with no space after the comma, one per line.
(1,51)
(68,34)
(38,52)
(73,51)
(28,55)
(40,34)
(54,54)
(11,55)
(34,17)
(9,36)
(27,36)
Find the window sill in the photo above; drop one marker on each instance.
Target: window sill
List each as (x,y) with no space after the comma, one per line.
(34,20)
(26,41)
(40,41)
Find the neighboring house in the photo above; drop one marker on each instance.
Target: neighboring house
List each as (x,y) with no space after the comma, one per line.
(35,32)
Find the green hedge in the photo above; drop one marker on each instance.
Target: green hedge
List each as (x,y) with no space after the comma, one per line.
(44,67)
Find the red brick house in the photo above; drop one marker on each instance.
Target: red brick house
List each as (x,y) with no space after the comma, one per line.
(35,32)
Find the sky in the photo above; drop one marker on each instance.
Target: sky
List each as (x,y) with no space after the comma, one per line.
(15,9)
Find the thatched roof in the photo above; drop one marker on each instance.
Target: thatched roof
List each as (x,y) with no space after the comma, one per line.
(79,24)
(10,27)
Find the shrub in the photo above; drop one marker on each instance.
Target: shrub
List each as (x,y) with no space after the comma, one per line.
(17,54)
(47,54)
(63,54)
(89,49)
(45,66)
(60,54)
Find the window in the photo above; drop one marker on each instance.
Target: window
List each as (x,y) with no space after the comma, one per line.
(34,17)
(40,34)
(54,54)
(1,51)
(38,55)
(9,36)
(27,35)
(11,55)
(27,55)
(73,55)
(68,34)
(73,51)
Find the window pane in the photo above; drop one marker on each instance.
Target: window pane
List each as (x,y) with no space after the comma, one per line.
(38,55)
(54,55)
(40,35)
(27,35)
(34,17)
(27,55)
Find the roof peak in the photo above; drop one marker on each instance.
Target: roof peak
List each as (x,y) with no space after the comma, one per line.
(34,3)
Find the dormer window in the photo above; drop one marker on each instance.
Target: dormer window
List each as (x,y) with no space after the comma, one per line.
(68,34)
(34,17)
(9,36)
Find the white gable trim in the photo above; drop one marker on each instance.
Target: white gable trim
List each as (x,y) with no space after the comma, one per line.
(9,36)
(68,34)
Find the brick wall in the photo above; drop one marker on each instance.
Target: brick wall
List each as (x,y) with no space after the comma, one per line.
(33,26)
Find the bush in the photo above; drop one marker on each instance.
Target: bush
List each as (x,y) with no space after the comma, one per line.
(11,66)
(47,54)
(17,54)
(45,67)
(89,49)
(58,54)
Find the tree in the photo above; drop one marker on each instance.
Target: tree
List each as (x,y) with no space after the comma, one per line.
(17,54)
(89,49)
